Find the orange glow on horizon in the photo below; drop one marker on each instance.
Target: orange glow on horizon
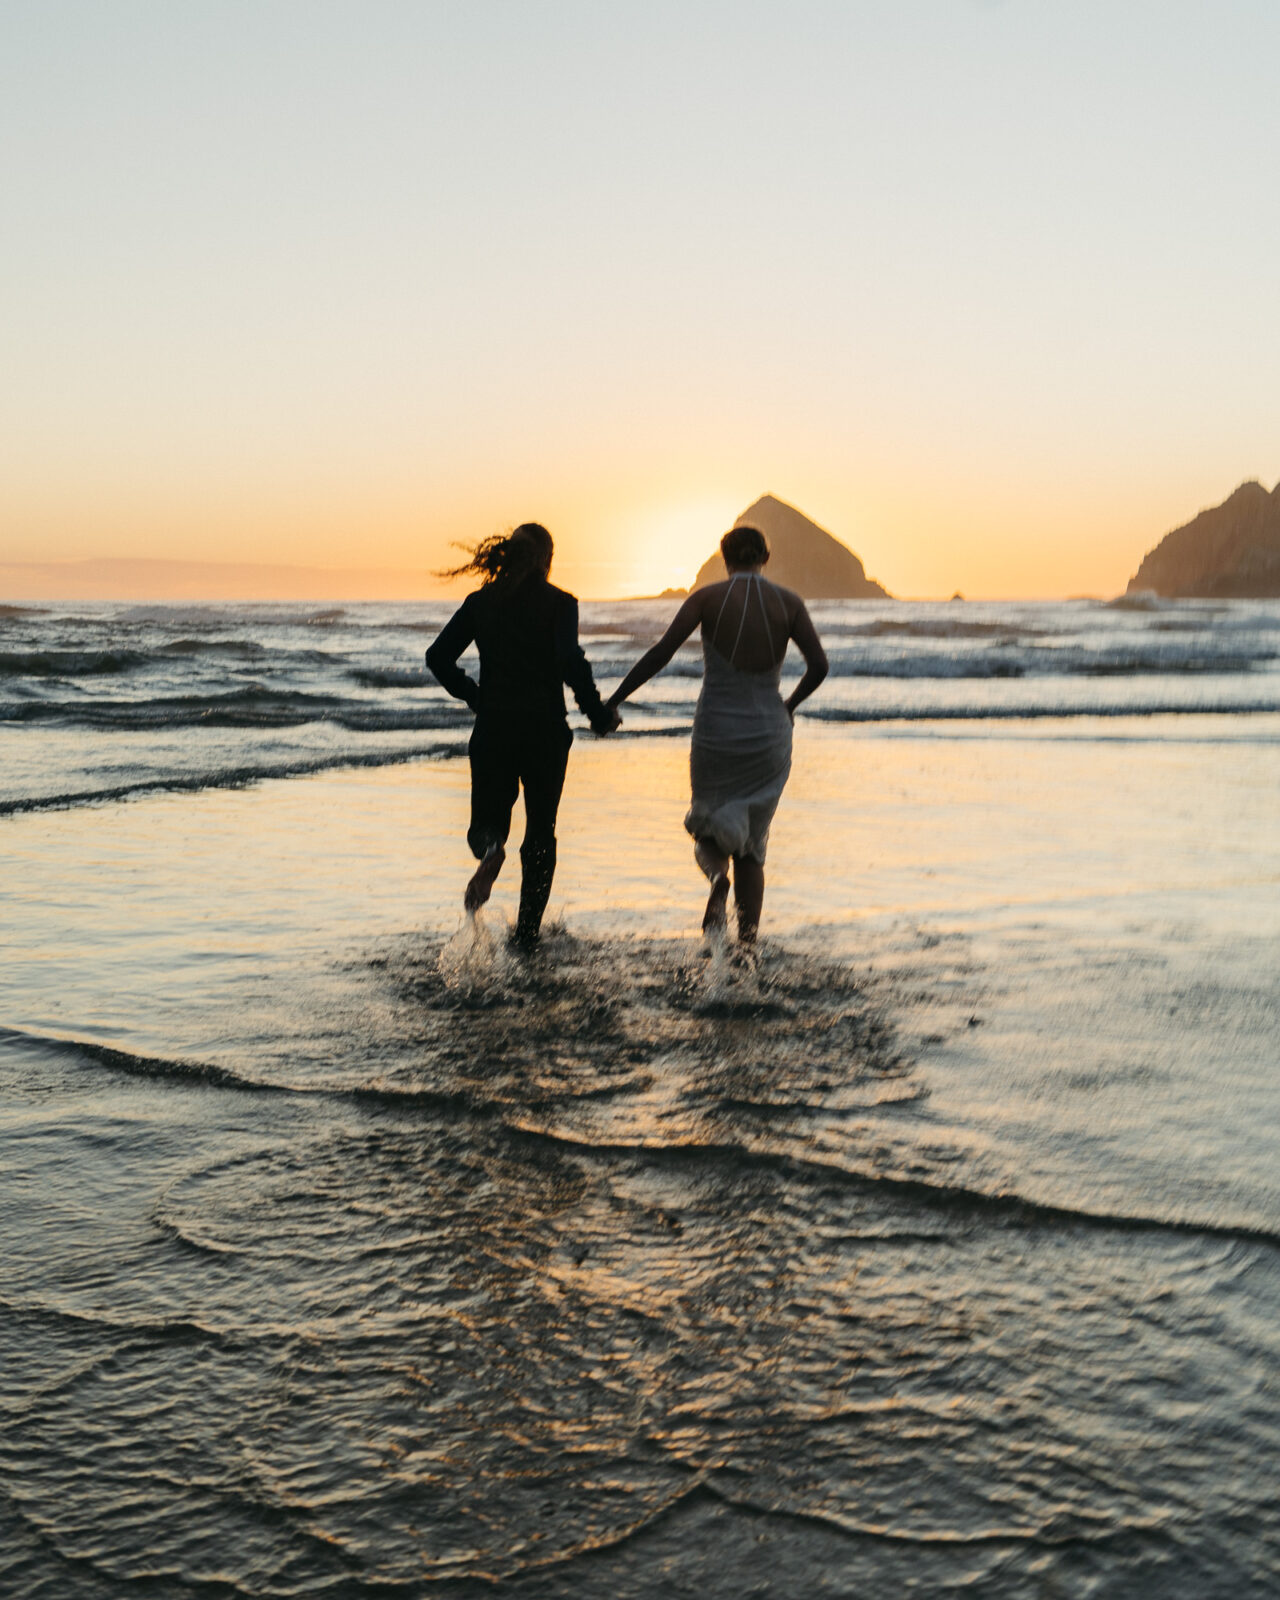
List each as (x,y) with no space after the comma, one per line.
(921,539)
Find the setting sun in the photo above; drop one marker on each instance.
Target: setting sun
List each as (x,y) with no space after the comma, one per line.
(662,546)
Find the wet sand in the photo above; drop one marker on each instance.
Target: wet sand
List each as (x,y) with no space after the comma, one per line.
(938,1252)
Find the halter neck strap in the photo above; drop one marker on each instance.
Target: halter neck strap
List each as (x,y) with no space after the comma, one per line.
(764,610)
(750,577)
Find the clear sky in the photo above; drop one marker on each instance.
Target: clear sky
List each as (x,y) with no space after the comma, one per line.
(990,288)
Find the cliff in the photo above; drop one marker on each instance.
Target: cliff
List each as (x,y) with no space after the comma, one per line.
(803,556)
(1229,552)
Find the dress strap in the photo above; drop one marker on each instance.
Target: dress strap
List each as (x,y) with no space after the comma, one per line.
(742,621)
(728,587)
(751,578)
(732,657)
(764,610)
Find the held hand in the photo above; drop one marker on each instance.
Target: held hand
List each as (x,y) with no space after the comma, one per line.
(615,719)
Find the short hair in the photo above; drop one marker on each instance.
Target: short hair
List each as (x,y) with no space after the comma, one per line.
(744,547)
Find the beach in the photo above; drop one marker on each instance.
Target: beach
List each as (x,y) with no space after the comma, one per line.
(346,1253)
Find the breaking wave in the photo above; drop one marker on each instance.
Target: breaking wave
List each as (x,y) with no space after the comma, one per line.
(1037,711)
(69,663)
(255,706)
(170,674)
(236,777)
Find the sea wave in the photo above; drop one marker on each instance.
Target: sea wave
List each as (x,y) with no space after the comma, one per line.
(254,706)
(262,614)
(530,1120)
(940,628)
(1005,1206)
(327,670)
(235,777)
(1032,712)
(1145,600)
(69,663)
(1009,658)
(236,649)
(392,677)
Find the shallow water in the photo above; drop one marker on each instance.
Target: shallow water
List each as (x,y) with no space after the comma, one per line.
(936,1252)
(109,700)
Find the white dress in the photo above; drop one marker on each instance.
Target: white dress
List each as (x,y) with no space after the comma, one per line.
(740,756)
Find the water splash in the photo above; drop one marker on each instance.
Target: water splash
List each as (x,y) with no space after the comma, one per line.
(732,976)
(475,960)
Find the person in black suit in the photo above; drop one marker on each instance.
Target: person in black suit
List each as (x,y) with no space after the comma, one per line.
(526,632)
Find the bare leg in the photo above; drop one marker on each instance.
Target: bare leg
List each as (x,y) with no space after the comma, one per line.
(748,893)
(716,867)
(482,880)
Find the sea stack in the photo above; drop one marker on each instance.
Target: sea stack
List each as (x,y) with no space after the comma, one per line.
(803,556)
(1229,552)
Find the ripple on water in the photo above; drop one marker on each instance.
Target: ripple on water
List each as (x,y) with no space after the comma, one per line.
(591,1321)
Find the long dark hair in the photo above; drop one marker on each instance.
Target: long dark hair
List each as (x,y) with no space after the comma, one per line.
(506,558)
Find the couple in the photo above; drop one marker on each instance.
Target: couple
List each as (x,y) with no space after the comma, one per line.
(526,632)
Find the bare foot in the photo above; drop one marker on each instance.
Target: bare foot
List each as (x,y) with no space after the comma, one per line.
(482,880)
(714,916)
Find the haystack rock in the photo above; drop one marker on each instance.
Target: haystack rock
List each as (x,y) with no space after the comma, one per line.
(1230,552)
(802,556)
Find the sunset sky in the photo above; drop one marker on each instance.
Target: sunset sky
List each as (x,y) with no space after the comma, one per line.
(990,290)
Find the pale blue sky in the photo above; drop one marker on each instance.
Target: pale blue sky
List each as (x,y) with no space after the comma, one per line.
(989,289)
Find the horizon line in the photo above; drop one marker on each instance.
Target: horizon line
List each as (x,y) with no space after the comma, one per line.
(288,576)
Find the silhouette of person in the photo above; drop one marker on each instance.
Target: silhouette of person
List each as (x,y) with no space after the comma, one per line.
(526,632)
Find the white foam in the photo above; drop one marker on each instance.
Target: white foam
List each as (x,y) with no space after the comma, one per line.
(474,959)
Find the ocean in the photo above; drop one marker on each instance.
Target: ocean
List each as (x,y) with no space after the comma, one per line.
(343,1253)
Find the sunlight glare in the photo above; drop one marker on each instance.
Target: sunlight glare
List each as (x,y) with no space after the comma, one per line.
(662,546)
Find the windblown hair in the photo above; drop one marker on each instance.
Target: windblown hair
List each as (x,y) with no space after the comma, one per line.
(744,547)
(506,558)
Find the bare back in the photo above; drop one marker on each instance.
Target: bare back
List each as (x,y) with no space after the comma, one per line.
(749,620)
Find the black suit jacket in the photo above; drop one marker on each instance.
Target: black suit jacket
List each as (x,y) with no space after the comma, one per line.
(527,637)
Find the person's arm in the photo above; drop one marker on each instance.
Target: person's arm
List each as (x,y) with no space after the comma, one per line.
(575,670)
(682,625)
(815,658)
(442,657)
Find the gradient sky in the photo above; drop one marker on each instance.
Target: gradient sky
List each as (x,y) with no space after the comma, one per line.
(991,290)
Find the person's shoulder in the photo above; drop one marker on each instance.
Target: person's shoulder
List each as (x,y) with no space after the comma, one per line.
(790,599)
(466,606)
(561,596)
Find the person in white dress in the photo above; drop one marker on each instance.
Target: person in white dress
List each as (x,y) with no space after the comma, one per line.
(740,756)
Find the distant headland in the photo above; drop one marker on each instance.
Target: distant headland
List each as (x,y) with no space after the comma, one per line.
(1230,552)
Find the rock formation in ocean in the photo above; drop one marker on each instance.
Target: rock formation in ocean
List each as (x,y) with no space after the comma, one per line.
(803,556)
(1229,552)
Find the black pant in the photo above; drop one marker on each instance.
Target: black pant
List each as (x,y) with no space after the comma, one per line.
(506,753)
